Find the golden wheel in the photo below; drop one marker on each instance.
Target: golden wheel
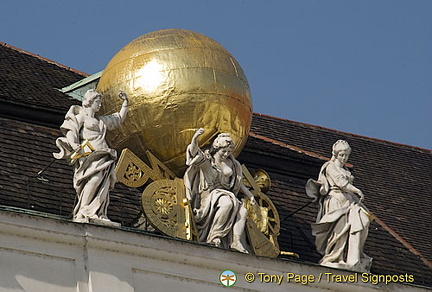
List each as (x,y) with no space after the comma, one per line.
(263,223)
(264,214)
(263,226)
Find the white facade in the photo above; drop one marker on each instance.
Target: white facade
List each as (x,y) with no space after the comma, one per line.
(51,255)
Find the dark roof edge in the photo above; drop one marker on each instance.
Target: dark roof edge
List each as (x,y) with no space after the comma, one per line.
(345,133)
(43,59)
(290,147)
(34,114)
(401,240)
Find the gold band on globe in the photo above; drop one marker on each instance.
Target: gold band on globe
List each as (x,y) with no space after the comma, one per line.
(177,81)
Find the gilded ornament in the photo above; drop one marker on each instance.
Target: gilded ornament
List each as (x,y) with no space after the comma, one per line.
(177,81)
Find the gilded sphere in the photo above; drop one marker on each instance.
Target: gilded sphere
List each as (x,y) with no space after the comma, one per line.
(177,81)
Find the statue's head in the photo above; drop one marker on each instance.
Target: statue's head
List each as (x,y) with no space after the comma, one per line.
(341,151)
(90,96)
(222,141)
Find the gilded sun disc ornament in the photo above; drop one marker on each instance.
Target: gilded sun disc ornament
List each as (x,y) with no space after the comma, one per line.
(166,208)
(177,81)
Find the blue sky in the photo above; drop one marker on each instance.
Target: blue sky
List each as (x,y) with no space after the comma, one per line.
(363,67)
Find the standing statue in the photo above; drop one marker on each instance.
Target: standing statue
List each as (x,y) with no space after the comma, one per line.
(342,223)
(213,181)
(84,147)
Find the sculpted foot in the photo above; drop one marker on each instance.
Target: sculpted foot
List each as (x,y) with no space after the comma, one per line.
(105,218)
(80,218)
(239,247)
(216,242)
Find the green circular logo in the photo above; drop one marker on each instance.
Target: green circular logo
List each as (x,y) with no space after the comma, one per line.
(227,278)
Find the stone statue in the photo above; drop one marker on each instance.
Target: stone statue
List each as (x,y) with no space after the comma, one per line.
(342,223)
(85,148)
(213,181)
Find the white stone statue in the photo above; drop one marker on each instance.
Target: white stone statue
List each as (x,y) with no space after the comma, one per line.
(84,147)
(213,181)
(342,223)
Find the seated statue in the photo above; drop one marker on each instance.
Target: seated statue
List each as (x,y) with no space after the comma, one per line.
(342,223)
(85,148)
(213,181)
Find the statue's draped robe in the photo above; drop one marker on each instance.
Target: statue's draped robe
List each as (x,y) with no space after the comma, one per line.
(92,201)
(205,185)
(342,223)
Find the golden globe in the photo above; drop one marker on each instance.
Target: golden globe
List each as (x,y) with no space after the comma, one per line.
(177,81)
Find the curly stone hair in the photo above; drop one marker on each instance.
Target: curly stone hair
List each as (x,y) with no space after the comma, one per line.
(90,96)
(340,145)
(223,140)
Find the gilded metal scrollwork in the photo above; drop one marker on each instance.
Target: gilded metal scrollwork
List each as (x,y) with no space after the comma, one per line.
(160,203)
(164,200)
(166,207)
(134,172)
